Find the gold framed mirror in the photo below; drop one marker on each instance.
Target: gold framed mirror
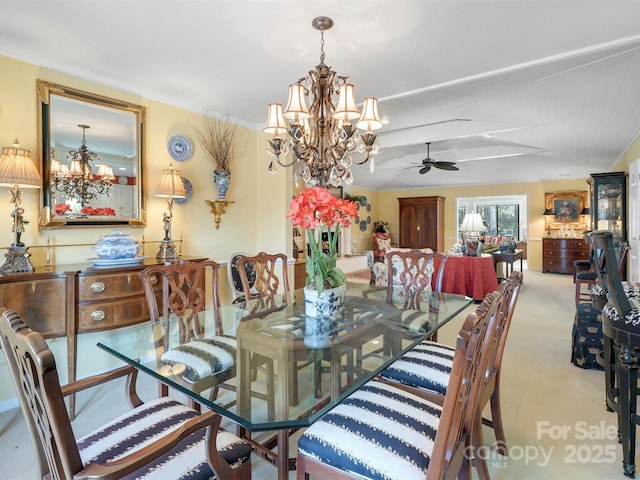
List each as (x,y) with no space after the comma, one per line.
(566,207)
(92,159)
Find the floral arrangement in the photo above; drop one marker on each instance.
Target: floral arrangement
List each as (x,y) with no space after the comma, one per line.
(318,212)
(106,211)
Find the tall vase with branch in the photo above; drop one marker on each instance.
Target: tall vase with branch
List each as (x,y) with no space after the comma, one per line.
(217,137)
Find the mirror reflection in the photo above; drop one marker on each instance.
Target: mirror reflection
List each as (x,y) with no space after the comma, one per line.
(92,158)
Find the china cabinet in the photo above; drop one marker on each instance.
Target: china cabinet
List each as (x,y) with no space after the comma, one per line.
(609,203)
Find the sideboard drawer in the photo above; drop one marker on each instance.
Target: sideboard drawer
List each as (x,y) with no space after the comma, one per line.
(109,286)
(105,315)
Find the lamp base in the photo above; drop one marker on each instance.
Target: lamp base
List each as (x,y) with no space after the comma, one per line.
(17,260)
(167,252)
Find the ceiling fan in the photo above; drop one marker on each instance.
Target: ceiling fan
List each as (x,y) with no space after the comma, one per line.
(429,162)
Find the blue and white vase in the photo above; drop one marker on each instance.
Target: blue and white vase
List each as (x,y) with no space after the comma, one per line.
(221,179)
(329,304)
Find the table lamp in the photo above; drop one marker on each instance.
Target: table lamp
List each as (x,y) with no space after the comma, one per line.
(548,212)
(18,170)
(169,186)
(471,226)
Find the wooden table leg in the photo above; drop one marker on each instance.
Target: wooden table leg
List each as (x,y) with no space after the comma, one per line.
(282,460)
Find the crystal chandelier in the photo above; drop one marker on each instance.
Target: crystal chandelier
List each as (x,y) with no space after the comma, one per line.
(76,179)
(322,137)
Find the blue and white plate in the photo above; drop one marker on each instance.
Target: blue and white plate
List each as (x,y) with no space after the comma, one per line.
(189,188)
(180,148)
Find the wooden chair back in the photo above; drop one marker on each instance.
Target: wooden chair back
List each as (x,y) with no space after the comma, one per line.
(32,368)
(415,271)
(474,351)
(271,272)
(186,289)
(606,265)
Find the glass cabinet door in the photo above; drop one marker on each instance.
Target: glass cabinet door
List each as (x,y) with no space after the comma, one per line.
(609,202)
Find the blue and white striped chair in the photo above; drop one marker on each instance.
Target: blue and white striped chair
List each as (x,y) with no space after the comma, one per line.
(428,367)
(155,440)
(386,432)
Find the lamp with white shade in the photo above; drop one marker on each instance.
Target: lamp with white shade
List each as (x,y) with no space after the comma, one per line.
(18,170)
(471,226)
(169,186)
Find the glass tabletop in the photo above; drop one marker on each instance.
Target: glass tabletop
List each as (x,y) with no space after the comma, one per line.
(288,368)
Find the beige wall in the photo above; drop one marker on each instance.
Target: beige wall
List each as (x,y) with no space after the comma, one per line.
(255,221)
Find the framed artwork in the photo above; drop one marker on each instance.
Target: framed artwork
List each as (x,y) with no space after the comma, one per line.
(566,206)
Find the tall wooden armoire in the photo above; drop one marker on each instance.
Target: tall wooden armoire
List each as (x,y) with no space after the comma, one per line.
(422,223)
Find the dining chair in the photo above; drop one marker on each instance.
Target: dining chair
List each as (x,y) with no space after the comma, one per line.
(235,282)
(409,286)
(271,274)
(391,431)
(621,339)
(161,438)
(209,359)
(428,368)
(587,277)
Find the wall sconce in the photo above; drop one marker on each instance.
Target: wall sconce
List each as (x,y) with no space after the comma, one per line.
(548,212)
(217,208)
(18,170)
(169,186)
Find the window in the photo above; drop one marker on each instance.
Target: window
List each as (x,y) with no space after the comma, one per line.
(502,215)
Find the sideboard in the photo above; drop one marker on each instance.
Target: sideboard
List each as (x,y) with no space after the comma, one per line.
(558,254)
(66,300)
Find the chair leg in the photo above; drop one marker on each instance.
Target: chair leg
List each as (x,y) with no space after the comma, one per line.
(496,419)
(627,366)
(479,450)
(609,368)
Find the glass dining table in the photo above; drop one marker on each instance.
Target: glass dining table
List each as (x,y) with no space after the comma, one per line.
(289,369)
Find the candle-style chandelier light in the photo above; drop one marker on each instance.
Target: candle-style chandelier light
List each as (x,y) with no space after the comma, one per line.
(322,137)
(76,179)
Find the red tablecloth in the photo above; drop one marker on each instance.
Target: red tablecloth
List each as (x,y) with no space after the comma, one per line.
(471,276)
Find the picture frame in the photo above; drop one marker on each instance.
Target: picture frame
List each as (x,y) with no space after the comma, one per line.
(566,206)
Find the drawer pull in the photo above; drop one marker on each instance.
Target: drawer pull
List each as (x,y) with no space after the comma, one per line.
(33,287)
(153,280)
(98,315)
(98,287)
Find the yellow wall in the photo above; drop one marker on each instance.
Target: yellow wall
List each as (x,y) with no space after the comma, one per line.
(255,221)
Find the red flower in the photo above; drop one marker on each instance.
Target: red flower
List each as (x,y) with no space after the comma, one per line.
(317,211)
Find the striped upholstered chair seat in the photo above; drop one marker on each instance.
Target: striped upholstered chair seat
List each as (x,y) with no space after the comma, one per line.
(379,432)
(426,366)
(154,420)
(204,357)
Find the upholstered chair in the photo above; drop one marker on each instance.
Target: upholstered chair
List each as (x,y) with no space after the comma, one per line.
(390,431)
(158,439)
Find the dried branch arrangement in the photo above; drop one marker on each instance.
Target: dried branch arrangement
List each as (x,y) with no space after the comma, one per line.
(217,138)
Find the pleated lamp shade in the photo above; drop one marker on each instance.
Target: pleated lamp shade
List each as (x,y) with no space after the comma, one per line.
(170,184)
(17,168)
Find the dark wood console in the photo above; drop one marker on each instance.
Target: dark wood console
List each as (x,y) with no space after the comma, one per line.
(558,254)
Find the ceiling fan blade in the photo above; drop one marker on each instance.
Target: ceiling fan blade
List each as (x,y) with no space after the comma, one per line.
(425,169)
(445,166)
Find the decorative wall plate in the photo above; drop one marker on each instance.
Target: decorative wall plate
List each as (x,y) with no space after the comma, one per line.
(189,188)
(180,148)
(363,225)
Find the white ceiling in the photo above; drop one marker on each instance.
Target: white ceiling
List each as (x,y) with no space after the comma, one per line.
(512,90)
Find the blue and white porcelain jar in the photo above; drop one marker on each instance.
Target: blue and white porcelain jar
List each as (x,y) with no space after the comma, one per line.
(116,245)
